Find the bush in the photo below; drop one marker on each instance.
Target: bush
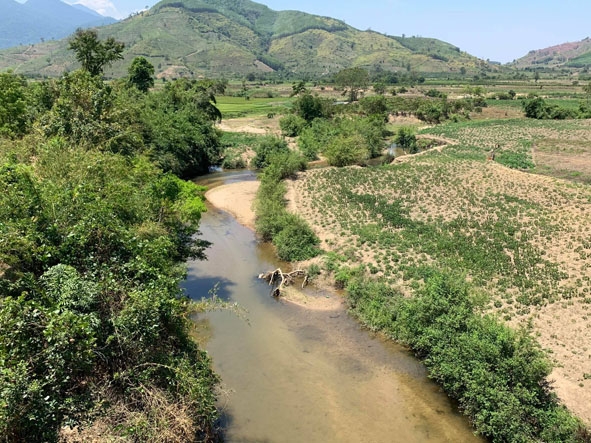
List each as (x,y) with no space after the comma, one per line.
(497,375)
(406,139)
(267,147)
(296,241)
(346,150)
(291,125)
(290,234)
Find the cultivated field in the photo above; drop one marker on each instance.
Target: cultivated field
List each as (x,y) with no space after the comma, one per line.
(522,239)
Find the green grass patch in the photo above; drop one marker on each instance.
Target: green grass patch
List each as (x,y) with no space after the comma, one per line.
(233,107)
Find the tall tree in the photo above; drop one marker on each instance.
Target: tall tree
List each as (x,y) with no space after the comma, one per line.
(352,80)
(12,104)
(93,53)
(141,74)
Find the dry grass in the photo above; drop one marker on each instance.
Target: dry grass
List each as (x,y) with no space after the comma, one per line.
(151,418)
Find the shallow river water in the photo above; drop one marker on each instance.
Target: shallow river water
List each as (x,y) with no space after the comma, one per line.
(291,374)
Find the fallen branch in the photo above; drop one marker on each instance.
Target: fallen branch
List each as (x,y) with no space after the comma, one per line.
(278,279)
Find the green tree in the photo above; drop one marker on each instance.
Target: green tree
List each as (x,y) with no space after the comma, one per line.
(309,107)
(346,150)
(353,80)
(92,53)
(141,74)
(406,139)
(13,107)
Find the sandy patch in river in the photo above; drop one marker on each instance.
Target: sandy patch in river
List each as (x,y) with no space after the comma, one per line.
(237,199)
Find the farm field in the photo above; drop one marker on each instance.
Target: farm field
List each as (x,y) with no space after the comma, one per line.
(521,239)
(233,107)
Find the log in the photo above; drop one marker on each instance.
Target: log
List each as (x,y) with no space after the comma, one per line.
(279,279)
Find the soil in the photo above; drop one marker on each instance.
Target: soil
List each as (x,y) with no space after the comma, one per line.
(252,125)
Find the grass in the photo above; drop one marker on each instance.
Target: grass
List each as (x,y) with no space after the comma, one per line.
(233,107)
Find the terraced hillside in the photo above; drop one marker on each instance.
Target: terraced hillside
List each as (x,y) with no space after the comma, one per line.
(212,38)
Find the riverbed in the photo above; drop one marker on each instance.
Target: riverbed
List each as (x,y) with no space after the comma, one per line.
(294,374)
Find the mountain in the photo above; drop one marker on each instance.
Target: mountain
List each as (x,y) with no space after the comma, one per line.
(566,55)
(38,20)
(237,37)
(81,7)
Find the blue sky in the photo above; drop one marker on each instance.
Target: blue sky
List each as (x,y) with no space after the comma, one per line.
(499,30)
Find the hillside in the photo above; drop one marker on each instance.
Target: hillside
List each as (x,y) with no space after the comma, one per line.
(39,20)
(237,37)
(568,55)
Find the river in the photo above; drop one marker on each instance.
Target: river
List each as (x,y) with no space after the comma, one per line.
(294,374)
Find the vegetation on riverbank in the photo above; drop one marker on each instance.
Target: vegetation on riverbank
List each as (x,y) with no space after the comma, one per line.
(95,227)
(291,235)
(498,375)
(397,232)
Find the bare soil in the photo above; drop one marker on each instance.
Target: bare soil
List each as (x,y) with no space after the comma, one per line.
(252,125)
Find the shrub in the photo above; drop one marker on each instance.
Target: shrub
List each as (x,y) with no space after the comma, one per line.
(406,139)
(267,147)
(346,150)
(497,375)
(296,241)
(291,125)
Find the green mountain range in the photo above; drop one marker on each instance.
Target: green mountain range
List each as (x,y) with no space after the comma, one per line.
(566,55)
(238,37)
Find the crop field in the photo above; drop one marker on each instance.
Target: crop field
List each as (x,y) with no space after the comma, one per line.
(232,107)
(555,148)
(522,240)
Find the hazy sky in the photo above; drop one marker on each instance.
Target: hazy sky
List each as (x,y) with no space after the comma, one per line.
(499,30)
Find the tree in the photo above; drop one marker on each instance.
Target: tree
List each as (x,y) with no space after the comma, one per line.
(141,74)
(353,80)
(94,54)
(12,105)
(407,140)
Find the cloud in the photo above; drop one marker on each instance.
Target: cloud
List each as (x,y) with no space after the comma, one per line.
(104,7)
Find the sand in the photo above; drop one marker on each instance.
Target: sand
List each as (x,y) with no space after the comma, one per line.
(237,199)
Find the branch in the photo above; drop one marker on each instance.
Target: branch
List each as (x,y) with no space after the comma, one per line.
(287,278)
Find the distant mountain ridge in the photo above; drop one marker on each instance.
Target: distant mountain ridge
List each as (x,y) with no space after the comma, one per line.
(39,20)
(566,55)
(238,37)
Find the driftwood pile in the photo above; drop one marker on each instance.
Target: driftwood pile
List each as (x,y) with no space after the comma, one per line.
(279,279)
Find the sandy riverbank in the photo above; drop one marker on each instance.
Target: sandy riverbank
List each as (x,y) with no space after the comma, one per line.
(238,199)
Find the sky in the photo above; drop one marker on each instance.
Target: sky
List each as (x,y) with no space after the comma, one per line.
(497,30)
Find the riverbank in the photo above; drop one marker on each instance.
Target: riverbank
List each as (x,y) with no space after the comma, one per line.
(316,375)
(352,210)
(237,199)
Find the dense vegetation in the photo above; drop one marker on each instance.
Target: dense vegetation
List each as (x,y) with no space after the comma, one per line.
(291,235)
(498,375)
(95,227)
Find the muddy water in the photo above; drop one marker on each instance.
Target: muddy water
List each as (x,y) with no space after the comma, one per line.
(292,374)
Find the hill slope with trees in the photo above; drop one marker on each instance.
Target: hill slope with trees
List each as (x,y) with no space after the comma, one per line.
(565,55)
(230,37)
